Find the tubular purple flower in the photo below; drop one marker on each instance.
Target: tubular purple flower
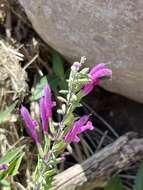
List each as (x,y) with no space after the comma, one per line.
(3,167)
(79,126)
(96,75)
(46,105)
(30,123)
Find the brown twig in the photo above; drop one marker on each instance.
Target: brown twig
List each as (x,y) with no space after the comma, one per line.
(98,169)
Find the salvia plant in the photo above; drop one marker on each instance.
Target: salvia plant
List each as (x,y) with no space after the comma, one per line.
(52,137)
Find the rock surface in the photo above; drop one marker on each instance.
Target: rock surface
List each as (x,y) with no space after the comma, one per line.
(103,30)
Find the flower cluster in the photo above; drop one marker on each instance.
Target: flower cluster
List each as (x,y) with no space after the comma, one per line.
(46,105)
(58,135)
(96,75)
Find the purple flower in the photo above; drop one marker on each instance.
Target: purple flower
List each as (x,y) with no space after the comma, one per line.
(30,123)
(76,66)
(46,105)
(97,74)
(79,126)
(3,167)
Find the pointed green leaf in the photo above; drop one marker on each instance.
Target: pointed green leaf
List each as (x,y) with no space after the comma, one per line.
(11,155)
(69,120)
(52,127)
(59,146)
(38,92)
(3,174)
(53,81)
(62,99)
(84,81)
(14,166)
(84,71)
(58,64)
(50,173)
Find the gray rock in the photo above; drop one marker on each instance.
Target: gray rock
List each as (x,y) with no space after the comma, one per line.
(108,31)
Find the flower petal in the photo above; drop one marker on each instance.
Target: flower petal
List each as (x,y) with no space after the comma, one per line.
(76,139)
(47,92)
(102,73)
(79,126)
(88,88)
(87,126)
(82,120)
(27,118)
(97,68)
(43,115)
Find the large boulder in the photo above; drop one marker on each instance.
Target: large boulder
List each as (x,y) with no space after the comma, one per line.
(104,31)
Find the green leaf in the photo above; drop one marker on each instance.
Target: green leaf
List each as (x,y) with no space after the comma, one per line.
(63,84)
(14,166)
(114,184)
(52,127)
(55,161)
(5,183)
(84,81)
(53,81)
(139,178)
(38,92)
(13,158)
(84,71)
(50,173)
(5,114)
(69,120)
(62,99)
(58,64)
(2,175)
(63,91)
(11,155)
(59,146)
